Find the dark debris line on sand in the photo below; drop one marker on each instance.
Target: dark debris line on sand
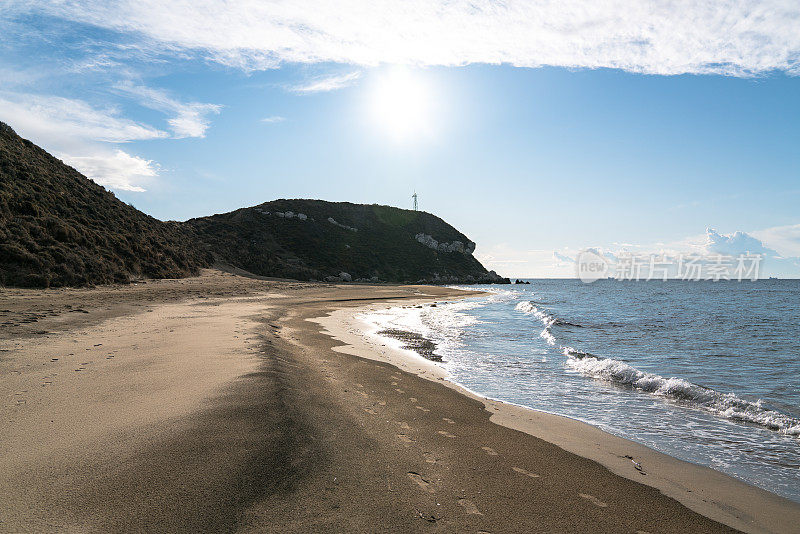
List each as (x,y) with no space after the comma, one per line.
(413,341)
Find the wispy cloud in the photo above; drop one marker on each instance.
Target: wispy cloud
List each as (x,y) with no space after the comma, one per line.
(273,119)
(666,37)
(784,239)
(528,263)
(329,83)
(54,117)
(189,120)
(82,136)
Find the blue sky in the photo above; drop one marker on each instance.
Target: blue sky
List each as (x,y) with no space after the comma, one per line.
(534,135)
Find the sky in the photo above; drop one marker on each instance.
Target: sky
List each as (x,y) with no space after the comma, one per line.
(537,129)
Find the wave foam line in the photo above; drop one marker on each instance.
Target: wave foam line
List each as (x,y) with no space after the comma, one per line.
(547,320)
(727,405)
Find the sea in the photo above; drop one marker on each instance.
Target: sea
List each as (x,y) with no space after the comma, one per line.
(708,372)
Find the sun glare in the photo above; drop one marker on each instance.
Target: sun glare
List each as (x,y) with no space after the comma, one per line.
(401,104)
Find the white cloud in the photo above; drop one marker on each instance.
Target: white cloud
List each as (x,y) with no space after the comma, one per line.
(330,83)
(77,133)
(117,169)
(660,37)
(735,244)
(190,120)
(784,239)
(48,118)
(273,119)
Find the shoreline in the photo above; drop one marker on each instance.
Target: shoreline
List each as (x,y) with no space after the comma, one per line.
(702,489)
(215,404)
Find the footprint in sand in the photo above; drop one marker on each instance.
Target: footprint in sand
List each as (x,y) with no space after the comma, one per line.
(594,500)
(525,472)
(446,434)
(469,506)
(421,482)
(490,451)
(448,420)
(421,408)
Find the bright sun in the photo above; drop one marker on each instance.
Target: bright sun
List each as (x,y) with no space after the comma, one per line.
(401,104)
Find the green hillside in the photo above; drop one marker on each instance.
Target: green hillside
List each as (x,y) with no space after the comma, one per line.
(314,239)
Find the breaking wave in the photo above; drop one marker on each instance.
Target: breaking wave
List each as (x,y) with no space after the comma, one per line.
(547,320)
(726,405)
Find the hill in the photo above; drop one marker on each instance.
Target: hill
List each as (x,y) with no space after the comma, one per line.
(318,240)
(58,228)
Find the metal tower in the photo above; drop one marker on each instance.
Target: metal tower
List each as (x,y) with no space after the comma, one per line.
(414,196)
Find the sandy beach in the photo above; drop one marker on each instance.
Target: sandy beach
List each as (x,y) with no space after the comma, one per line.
(223,403)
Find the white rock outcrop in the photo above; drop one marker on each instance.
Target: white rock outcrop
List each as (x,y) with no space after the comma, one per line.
(454,246)
(286,214)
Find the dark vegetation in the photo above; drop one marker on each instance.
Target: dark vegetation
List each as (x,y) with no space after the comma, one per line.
(367,242)
(58,228)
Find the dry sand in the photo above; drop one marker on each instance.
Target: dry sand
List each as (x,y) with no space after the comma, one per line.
(213,404)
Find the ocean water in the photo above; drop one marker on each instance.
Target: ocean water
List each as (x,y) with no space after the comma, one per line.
(706,372)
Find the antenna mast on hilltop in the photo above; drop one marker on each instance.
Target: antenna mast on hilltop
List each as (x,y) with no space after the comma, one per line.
(414,196)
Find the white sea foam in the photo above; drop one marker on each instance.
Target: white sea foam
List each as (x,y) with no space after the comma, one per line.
(444,324)
(724,404)
(727,405)
(547,320)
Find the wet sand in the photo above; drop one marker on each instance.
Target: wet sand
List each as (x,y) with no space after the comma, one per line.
(218,404)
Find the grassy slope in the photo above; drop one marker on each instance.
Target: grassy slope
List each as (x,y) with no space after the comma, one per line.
(383,245)
(58,228)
